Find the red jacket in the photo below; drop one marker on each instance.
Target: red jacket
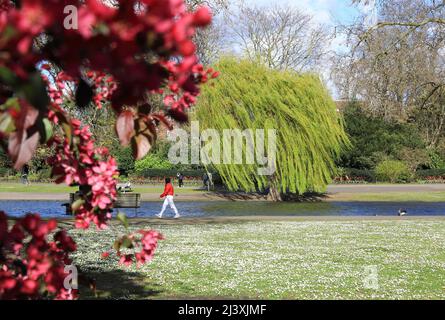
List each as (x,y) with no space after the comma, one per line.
(168,190)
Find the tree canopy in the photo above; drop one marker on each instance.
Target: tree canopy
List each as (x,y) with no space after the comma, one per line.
(310,133)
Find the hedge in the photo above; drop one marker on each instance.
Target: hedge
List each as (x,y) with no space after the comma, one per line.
(150,173)
(357,175)
(351,174)
(156,176)
(425,174)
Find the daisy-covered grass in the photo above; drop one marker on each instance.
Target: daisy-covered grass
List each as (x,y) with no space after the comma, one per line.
(272,259)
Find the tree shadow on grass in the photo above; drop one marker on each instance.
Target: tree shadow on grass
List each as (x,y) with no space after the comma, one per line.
(116,284)
(309,197)
(240,196)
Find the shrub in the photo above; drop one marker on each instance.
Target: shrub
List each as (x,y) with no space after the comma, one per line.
(430,173)
(152,173)
(393,171)
(374,139)
(152,161)
(44,174)
(124,158)
(348,175)
(414,158)
(5,171)
(436,161)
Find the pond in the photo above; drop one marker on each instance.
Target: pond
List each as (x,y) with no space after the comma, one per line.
(224,208)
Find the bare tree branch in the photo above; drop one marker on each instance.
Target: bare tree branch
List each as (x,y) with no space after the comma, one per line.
(279,36)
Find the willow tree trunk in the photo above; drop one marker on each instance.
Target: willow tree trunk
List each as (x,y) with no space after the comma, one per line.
(274,190)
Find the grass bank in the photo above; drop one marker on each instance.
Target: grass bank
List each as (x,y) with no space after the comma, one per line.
(59,189)
(407,196)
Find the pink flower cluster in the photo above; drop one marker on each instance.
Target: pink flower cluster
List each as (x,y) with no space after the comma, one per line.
(122,49)
(30,266)
(108,40)
(142,242)
(103,87)
(117,56)
(92,168)
(181,97)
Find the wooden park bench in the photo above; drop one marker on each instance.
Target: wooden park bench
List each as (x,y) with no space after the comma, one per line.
(124,200)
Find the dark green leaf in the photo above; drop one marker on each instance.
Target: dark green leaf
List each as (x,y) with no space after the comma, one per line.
(84,94)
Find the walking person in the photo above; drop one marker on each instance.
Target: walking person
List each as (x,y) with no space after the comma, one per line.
(168,194)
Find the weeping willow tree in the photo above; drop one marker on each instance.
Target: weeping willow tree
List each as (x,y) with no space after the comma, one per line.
(309,131)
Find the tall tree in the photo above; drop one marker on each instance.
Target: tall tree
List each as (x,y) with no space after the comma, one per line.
(309,131)
(209,41)
(392,69)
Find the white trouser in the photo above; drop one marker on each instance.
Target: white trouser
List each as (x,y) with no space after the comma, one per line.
(168,201)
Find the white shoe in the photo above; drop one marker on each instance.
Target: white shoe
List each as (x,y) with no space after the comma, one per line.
(159,215)
(177,216)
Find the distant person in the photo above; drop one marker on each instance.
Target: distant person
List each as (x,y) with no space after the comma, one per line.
(168,194)
(25,174)
(205,180)
(180,179)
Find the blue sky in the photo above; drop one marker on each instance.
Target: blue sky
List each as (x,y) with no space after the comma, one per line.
(326,11)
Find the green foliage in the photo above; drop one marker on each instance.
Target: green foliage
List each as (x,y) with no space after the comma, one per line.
(425,174)
(352,174)
(309,132)
(414,158)
(38,162)
(392,171)
(124,158)
(5,171)
(151,161)
(374,139)
(153,173)
(156,159)
(5,162)
(436,161)
(44,174)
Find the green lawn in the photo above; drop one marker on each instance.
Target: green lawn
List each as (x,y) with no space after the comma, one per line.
(54,188)
(36,188)
(418,196)
(292,259)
